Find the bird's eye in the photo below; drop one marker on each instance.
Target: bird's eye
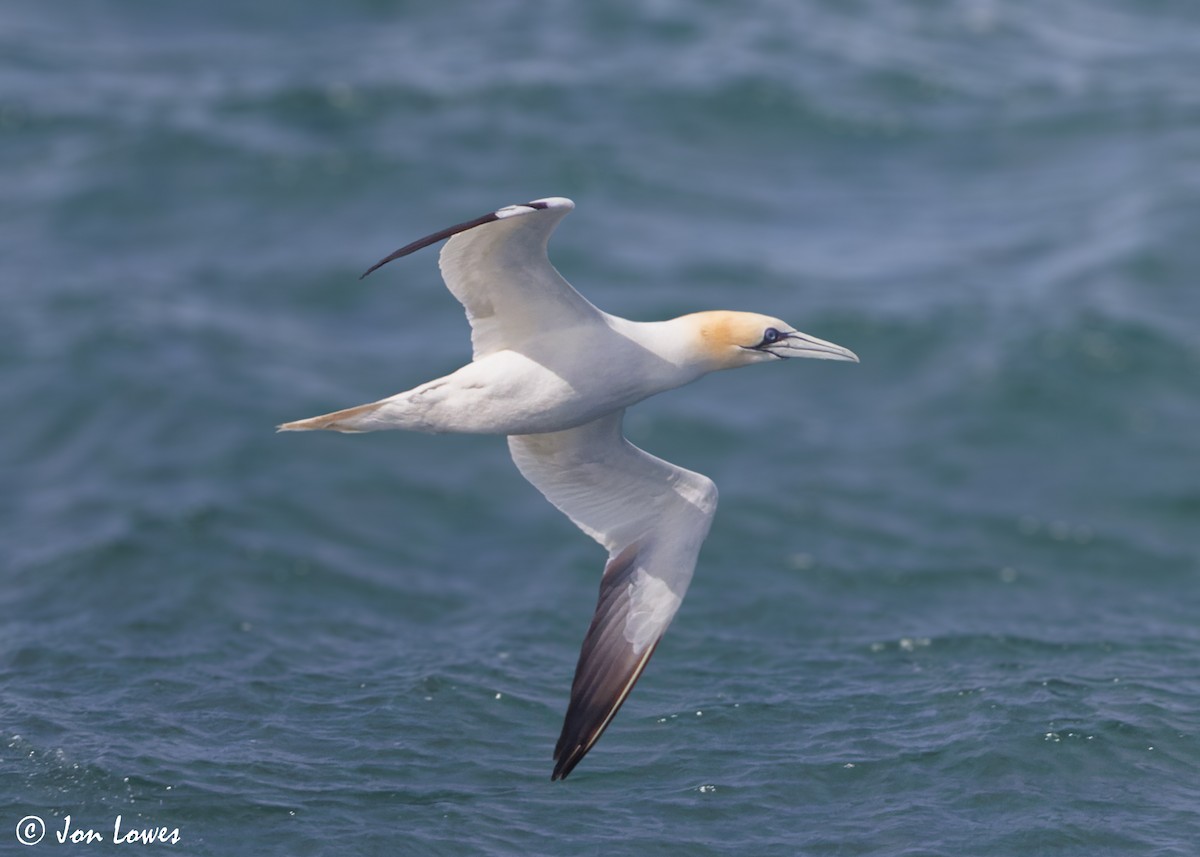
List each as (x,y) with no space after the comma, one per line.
(771,335)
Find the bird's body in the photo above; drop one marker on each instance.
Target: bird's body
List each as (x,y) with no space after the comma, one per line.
(555,375)
(561,380)
(556,381)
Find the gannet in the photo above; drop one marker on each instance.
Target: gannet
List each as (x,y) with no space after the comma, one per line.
(555,374)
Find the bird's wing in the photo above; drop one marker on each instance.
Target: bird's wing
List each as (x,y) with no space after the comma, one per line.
(652,517)
(496,265)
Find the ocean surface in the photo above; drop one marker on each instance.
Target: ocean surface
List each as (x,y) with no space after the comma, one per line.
(950,604)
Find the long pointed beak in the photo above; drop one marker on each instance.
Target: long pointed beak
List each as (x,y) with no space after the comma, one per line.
(797,344)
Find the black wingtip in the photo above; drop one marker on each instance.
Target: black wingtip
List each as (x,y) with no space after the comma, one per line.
(564,763)
(564,766)
(431,239)
(607,670)
(491,216)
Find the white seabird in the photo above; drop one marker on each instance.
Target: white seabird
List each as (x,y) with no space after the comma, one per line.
(555,374)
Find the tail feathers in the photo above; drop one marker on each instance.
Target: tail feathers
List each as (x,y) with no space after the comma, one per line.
(357,419)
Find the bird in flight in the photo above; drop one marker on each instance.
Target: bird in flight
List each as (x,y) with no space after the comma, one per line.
(555,374)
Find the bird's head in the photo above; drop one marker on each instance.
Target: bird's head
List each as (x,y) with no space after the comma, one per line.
(726,340)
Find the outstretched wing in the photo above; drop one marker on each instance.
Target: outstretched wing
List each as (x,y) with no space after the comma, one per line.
(652,517)
(496,265)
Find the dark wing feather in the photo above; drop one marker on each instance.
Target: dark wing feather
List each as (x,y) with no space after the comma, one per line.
(608,667)
(490,217)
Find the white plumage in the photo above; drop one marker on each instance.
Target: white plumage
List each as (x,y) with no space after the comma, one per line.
(555,374)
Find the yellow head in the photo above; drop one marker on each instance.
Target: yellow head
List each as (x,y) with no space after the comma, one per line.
(725,340)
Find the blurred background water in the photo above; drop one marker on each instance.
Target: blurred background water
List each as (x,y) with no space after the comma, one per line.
(949,604)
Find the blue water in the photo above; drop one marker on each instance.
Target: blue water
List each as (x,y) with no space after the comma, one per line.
(950,604)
